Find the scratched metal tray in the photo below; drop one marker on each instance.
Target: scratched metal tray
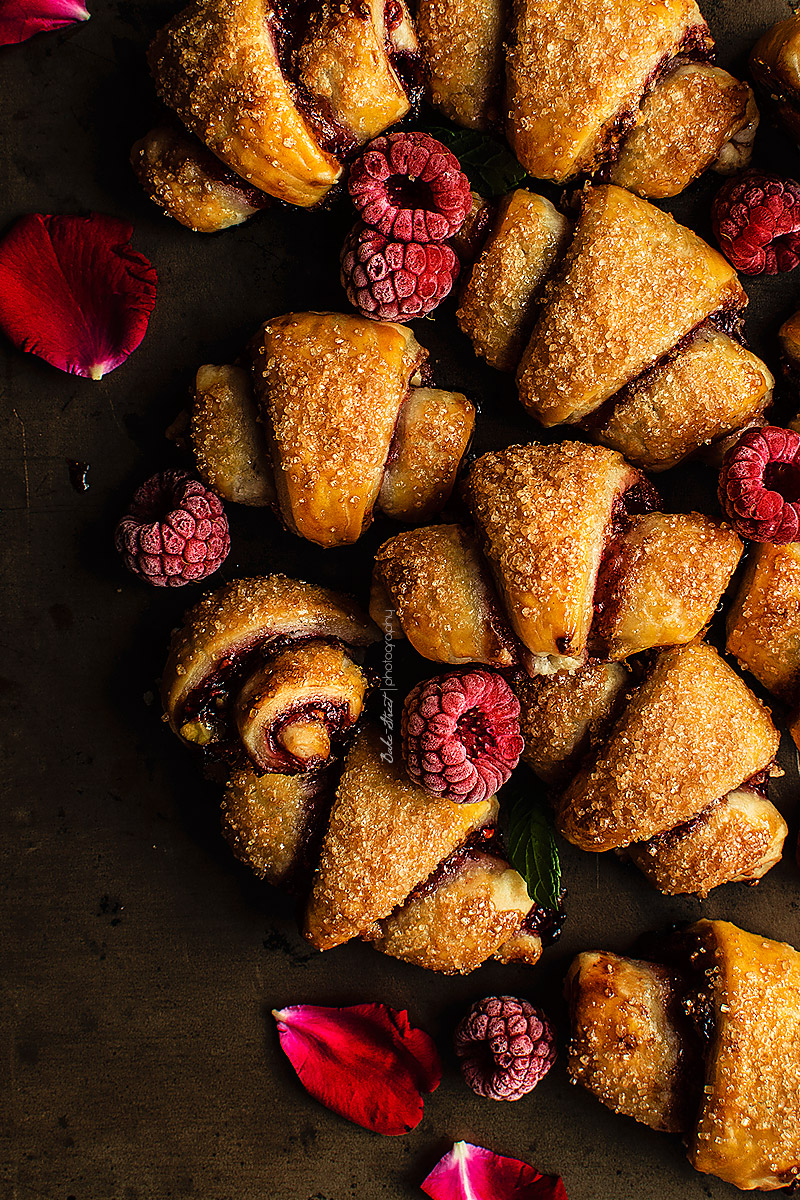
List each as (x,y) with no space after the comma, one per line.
(139,962)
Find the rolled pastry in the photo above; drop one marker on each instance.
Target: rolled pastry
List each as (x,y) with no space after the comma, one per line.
(576,73)
(228,446)
(190,183)
(775,65)
(385,836)
(695,117)
(432,586)
(522,248)
(764,619)
(330,388)
(691,733)
(633,284)
(633,1047)
(225,638)
(697,396)
(462,42)
(434,429)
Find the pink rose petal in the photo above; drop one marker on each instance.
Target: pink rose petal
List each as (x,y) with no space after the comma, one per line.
(366,1063)
(73,291)
(21,19)
(472,1173)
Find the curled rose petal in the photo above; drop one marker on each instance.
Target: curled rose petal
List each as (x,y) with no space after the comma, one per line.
(365,1063)
(473,1173)
(21,19)
(73,291)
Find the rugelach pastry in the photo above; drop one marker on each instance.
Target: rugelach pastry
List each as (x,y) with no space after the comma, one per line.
(586,89)
(703,1041)
(422,878)
(565,562)
(775,66)
(279,96)
(269,669)
(679,779)
(330,423)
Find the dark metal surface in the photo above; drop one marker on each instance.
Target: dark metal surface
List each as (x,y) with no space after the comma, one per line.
(139,962)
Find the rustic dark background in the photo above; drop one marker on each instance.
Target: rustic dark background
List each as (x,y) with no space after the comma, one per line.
(139,962)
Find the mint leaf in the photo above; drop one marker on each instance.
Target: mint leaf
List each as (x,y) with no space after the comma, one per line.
(532,847)
(489,166)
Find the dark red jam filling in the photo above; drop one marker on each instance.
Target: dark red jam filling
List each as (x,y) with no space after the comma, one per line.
(641,498)
(482,841)
(546,923)
(337,722)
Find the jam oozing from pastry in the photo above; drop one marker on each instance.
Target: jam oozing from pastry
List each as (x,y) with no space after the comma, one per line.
(641,498)
(305,736)
(547,923)
(482,842)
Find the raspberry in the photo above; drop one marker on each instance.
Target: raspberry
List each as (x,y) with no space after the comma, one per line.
(506,1047)
(175,531)
(410,188)
(391,281)
(756,220)
(759,485)
(461,737)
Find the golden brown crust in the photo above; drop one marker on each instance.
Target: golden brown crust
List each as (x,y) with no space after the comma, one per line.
(216,65)
(626,1046)
(684,123)
(344,61)
(691,733)
(227,442)
(190,184)
(289,709)
(542,512)
(462,42)
(573,69)
(710,388)
(561,715)
(458,925)
(764,619)
(775,64)
(433,431)
(265,820)
(436,582)
(384,837)
(735,840)
(748,1132)
(633,284)
(674,568)
(249,612)
(330,388)
(527,238)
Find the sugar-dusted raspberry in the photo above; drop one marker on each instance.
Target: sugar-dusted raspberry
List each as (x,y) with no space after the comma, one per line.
(506,1047)
(395,281)
(759,485)
(410,188)
(461,736)
(756,220)
(174,532)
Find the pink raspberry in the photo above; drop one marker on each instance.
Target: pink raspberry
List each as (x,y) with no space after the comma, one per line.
(506,1047)
(410,188)
(759,485)
(756,220)
(395,281)
(175,531)
(461,735)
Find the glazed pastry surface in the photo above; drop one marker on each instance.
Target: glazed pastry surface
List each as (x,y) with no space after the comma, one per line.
(710,388)
(633,284)
(691,733)
(542,513)
(764,619)
(433,431)
(267,820)
(462,41)
(576,73)
(227,441)
(526,240)
(330,388)
(685,122)
(385,836)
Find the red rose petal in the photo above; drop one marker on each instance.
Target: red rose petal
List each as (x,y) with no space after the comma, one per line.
(73,291)
(21,19)
(473,1173)
(366,1063)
